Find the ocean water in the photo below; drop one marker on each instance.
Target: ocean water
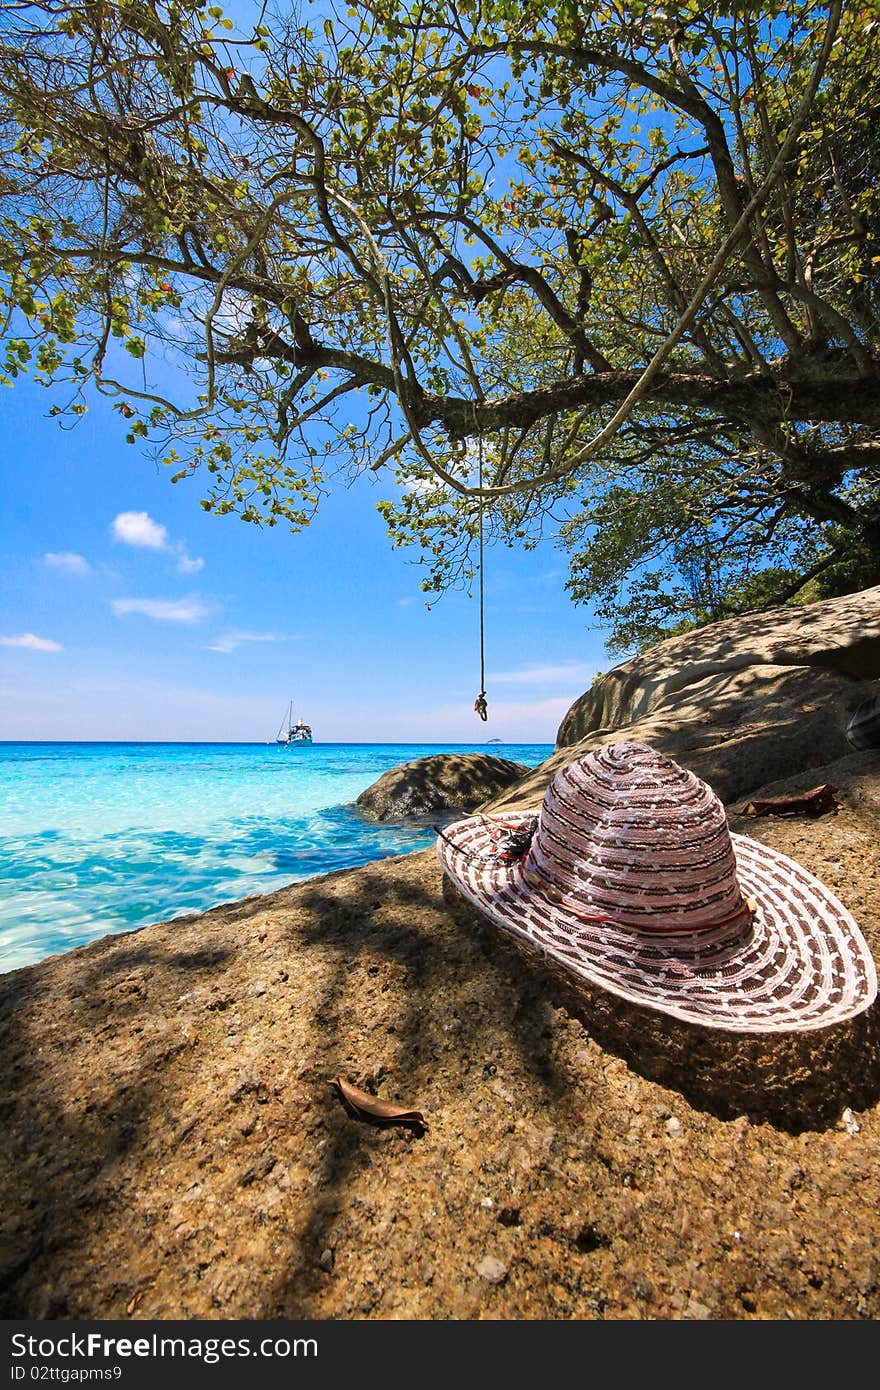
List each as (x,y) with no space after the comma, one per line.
(103,837)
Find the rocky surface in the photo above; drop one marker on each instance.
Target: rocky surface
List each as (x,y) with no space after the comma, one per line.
(443,782)
(840,635)
(739,703)
(736,731)
(172,1147)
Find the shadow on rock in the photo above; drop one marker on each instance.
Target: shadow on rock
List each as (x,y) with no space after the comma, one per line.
(411,969)
(793,1081)
(71,1115)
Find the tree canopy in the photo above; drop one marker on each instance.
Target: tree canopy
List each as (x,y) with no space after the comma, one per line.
(607,271)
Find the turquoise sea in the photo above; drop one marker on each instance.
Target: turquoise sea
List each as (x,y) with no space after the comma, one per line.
(104,837)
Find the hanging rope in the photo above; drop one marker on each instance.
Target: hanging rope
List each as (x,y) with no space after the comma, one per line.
(480,707)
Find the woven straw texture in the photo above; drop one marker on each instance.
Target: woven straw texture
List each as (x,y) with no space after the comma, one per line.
(634,883)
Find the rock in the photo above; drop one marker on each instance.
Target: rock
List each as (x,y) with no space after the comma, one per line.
(740,703)
(840,635)
(326,1261)
(444,782)
(492,1270)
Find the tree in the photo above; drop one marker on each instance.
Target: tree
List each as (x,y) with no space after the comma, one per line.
(605,270)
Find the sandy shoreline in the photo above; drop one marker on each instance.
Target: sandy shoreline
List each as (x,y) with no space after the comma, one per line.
(172,1146)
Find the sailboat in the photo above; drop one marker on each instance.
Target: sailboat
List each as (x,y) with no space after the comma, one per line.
(293,730)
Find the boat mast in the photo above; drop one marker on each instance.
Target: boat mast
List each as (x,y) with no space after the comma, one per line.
(288,714)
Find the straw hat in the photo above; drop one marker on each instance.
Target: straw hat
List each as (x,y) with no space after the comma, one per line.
(630,879)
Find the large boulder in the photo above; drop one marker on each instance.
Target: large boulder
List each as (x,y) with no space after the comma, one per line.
(740,703)
(442,783)
(841,635)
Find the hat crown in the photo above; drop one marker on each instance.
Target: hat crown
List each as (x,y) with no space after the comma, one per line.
(633,837)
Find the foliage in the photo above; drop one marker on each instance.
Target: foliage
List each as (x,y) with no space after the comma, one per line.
(441,243)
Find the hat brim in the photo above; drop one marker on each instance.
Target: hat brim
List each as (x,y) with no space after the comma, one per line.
(799,964)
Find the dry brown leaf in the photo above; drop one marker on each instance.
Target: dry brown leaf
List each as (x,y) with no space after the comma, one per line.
(812,803)
(133,1303)
(372,1109)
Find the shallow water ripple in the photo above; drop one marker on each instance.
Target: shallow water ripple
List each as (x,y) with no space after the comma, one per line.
(101,838)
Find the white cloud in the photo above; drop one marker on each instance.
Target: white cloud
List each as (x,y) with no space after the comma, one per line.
(163,610)
(542,675)
(231,640)
(67,561)
(100,707)
(138,529)
(187,565)
(34,644)
(424,487)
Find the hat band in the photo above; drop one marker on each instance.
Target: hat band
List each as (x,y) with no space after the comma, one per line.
(545,886)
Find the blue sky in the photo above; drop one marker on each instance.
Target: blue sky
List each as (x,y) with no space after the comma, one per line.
(127,612)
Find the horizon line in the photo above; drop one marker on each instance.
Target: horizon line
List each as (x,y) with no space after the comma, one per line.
(271,743)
